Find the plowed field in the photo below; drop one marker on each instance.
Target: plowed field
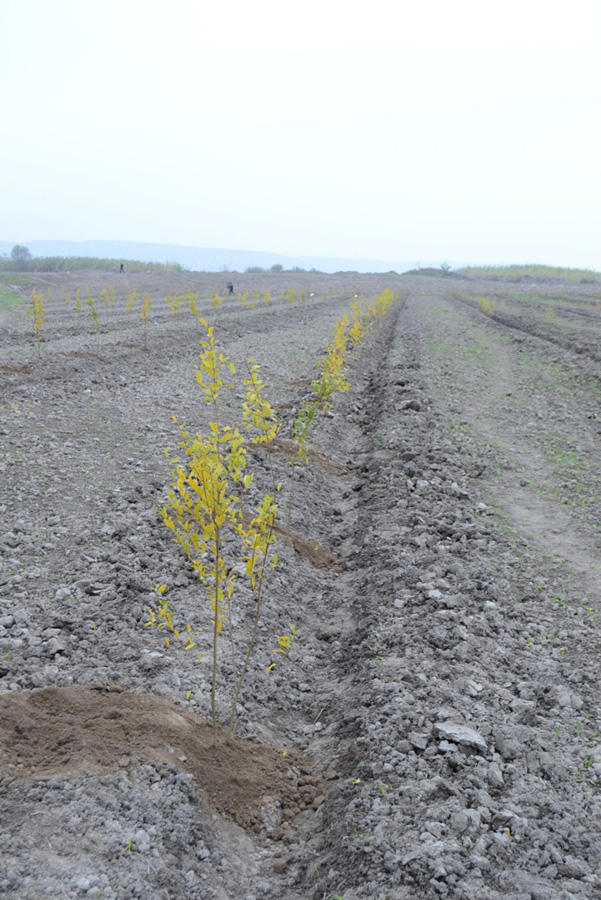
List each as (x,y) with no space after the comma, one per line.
(435,730)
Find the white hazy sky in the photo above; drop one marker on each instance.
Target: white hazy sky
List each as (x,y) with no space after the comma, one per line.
(408,130)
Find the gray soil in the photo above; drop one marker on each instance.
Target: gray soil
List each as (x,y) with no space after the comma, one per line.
(435,730)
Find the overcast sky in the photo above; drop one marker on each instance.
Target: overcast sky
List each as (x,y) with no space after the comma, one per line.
(412,130)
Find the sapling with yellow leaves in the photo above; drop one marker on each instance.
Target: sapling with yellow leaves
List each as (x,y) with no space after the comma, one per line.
(362,322)
(258,538)
(333,378)
(257,413)
(487,305)
(174,302)
(205,516)
(37,313)
(333,366)
(91,304)
(192,299)
(107,295)
(144,315)
(381,304)
(301,428)
(334,372)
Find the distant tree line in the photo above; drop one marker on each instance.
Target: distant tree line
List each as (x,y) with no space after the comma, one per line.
(278,267)
(21,260)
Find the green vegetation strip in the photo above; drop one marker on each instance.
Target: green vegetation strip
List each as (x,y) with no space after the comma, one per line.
(531,273)
(82,263)
(9,298)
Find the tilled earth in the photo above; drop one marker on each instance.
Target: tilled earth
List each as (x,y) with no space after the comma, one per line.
(435,730)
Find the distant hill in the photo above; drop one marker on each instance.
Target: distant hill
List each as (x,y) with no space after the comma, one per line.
(202,259)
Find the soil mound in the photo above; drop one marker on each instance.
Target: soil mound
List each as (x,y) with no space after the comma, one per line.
(80,731)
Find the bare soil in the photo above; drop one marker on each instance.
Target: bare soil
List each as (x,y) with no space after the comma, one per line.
(436,727)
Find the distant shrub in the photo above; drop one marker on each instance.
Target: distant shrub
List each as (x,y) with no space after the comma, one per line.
(20,259)
(442,271)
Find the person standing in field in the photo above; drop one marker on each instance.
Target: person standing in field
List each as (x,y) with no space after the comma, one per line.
(230,287)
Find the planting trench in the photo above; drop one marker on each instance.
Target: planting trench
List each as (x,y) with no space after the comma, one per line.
(425,738)
(476,706)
